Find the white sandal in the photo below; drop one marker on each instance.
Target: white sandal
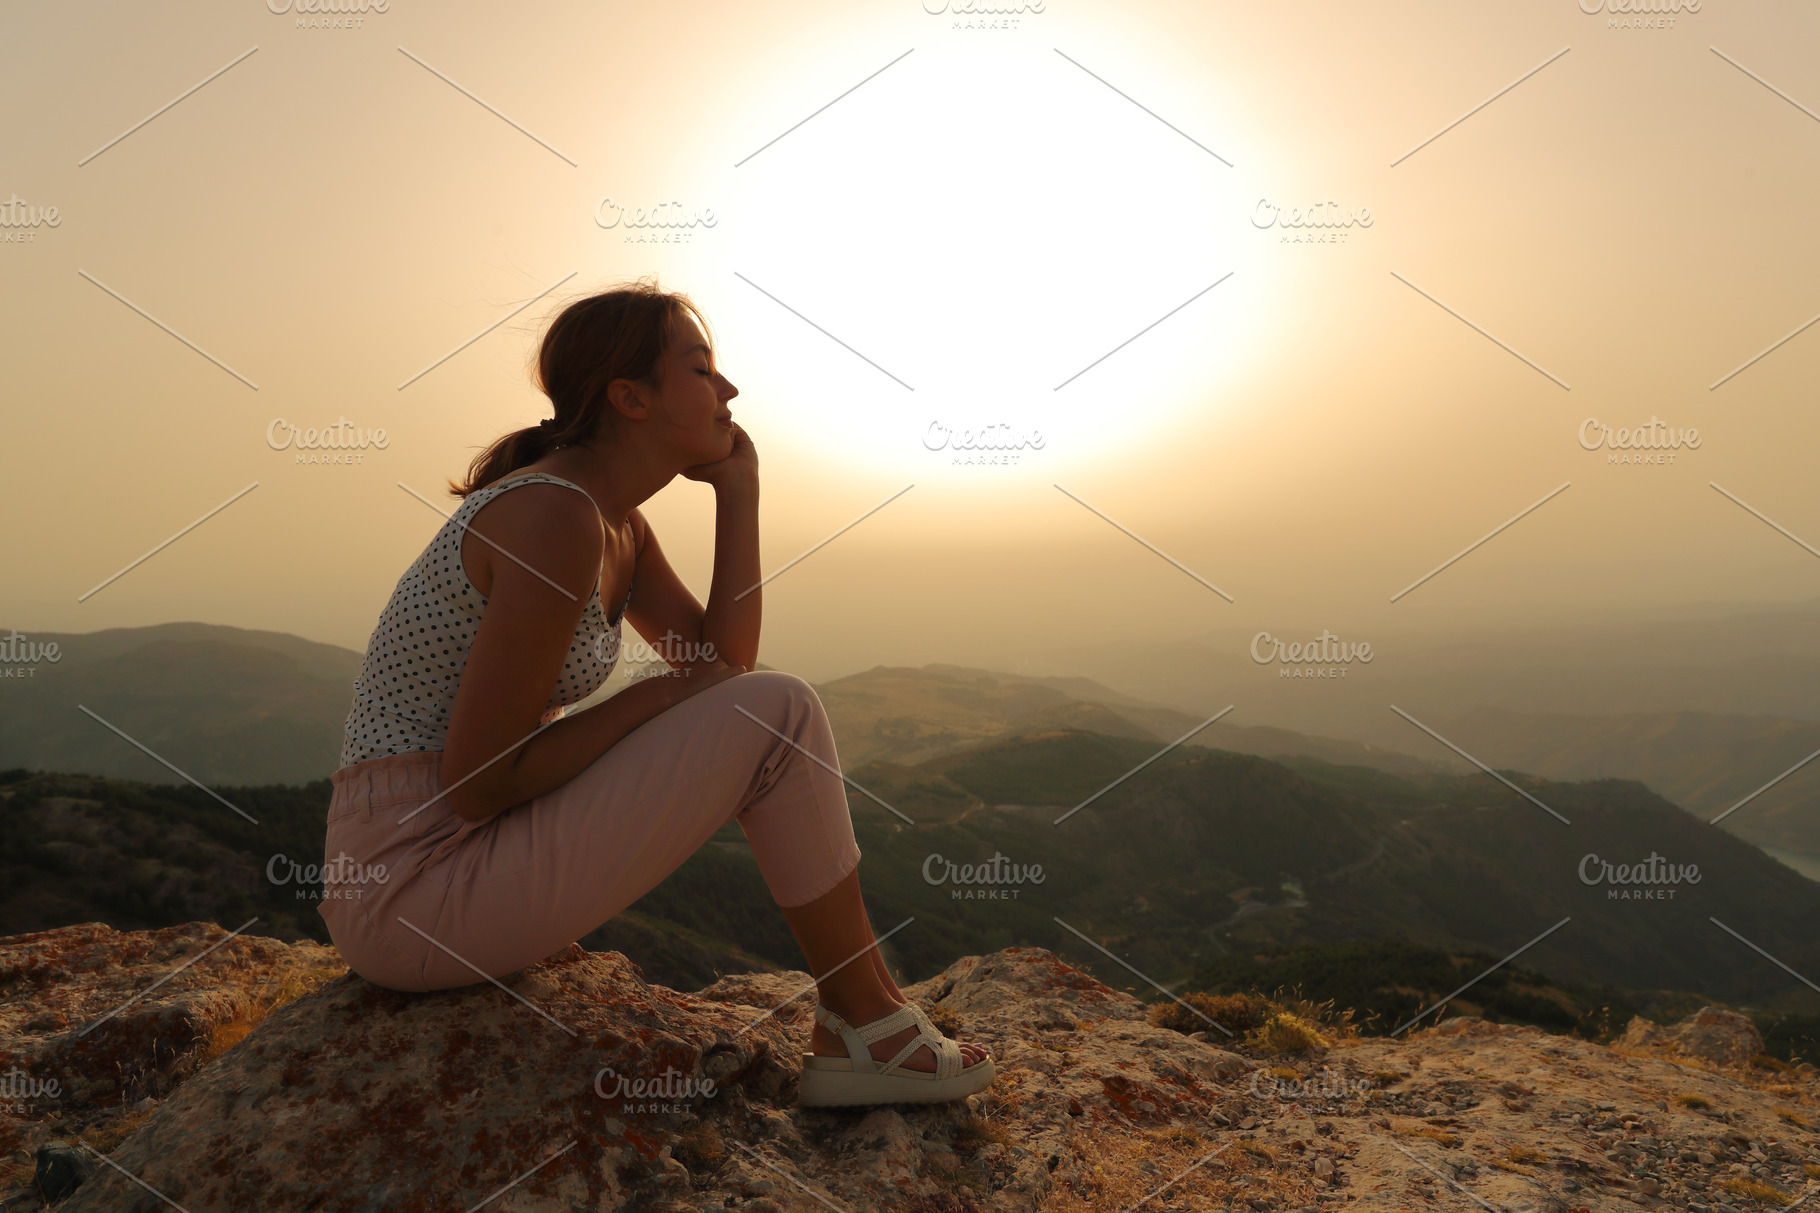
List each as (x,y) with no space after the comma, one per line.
(860,1079)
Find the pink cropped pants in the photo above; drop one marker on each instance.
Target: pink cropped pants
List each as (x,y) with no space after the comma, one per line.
(461,902)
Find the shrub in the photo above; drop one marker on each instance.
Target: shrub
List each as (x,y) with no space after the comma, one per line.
(1237,1013)
(1286,1032)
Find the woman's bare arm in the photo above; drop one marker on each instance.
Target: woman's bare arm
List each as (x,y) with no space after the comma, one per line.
(663,606)
(517,653)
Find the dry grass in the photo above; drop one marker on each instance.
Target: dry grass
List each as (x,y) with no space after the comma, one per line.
(1416,1128)
(1812,1170)
(1385,1078)
(1287,1033)
(1757,1191)
(108,1135)
(268,998)
(1525,1154)
(1790,1116)
(1693,1101)
(1237,1013)
(976,1131)
(1258,1149)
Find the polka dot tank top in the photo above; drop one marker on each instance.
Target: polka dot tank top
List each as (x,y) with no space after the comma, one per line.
(406,687)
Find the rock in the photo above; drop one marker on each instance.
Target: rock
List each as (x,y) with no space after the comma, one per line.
(351,1098)
(354,1097)
(61,1169)
(109,1014)
(438,1099)
(1711,1034)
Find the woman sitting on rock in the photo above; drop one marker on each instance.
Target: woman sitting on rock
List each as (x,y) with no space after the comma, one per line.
(508,829)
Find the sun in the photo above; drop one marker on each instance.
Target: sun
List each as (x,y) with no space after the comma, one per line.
(988,252)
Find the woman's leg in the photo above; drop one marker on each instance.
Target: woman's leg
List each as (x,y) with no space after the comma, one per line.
(545,873)
(834,928)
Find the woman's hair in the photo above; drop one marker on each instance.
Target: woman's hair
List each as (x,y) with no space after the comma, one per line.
(616,334)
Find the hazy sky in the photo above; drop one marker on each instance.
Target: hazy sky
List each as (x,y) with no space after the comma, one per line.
(921,225)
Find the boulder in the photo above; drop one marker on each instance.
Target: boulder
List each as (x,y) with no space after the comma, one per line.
(1711,1034)
(575,1084)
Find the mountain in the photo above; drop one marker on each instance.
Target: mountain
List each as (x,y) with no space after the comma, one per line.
(906,715)
(1197,856)
(225,705)
(1202,854)
(1723,661)
(229,705)
(1704,761)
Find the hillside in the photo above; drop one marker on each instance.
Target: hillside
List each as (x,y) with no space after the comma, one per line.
(1704,761)
(904,715)
(229,705)
(1202,855)
(1205,853)
(226,705)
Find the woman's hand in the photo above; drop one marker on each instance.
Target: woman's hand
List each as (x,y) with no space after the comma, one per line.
(738,469)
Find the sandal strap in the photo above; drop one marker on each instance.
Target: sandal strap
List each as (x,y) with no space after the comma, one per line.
(948,1061)
(906,1016)
(858,1052)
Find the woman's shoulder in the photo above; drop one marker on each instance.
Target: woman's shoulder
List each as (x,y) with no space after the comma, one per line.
(542,498)
(541,522)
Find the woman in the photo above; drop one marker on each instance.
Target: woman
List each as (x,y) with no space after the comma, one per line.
(508,829)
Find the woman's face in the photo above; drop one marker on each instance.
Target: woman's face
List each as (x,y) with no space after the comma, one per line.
(691,412)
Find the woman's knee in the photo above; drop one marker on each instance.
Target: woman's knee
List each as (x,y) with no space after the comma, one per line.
(781,696)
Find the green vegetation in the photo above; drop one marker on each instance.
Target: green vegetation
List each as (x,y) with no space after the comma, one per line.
(1206,871)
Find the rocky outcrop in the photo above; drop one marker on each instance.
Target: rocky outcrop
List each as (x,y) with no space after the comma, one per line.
(97,1025)
(1711,1034)
(577,1085)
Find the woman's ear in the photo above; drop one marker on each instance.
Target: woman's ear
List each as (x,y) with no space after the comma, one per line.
(624,396)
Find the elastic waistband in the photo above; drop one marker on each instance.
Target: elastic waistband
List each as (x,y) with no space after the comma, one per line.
(390,779)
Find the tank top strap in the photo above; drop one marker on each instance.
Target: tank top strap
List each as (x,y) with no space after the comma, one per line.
(481,496)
